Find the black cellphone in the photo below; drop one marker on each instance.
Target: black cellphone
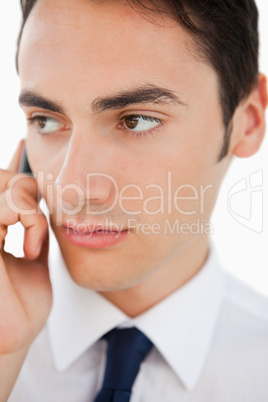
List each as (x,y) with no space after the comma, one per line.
(24,166)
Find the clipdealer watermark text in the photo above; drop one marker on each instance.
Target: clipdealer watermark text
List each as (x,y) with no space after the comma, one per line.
(177,226)
(131,199)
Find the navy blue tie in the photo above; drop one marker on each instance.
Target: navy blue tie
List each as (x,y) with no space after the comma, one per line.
(127,348)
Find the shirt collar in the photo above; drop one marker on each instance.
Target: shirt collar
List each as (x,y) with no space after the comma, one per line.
(181,326)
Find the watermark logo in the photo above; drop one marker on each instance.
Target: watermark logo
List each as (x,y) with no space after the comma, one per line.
(245,201)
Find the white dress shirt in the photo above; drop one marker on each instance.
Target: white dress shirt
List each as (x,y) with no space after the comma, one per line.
(210,343)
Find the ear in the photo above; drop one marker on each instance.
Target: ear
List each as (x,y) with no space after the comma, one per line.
(252,120)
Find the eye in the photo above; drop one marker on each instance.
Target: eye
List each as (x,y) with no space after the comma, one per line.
(138,123)
(45,124)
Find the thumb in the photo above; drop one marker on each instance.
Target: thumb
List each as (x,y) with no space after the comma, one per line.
(15,161)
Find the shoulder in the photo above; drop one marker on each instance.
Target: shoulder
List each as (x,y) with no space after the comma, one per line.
(244,300)
(238,358)
(243,321)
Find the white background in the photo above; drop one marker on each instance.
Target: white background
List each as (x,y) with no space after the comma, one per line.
(242,251)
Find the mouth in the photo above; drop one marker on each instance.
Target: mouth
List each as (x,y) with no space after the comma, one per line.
(94,236)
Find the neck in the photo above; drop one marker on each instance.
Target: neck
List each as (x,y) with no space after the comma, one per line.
(164,281)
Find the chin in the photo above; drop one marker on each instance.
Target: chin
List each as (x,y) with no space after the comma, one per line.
(107,270)
(105,279)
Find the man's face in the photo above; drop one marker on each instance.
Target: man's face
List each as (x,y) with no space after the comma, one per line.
(156,148)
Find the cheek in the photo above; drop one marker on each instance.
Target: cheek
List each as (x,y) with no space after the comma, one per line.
(46,154)
(183,180)
(45,173)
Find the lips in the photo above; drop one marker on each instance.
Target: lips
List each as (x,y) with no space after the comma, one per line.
(84,228)
(93,236)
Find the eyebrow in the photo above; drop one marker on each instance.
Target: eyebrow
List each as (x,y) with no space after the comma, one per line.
(146,94)
(149,94)
(28,98)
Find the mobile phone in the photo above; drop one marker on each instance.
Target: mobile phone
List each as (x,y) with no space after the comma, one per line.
(24,166)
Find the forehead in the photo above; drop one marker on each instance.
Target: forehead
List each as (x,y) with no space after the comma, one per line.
(98,16)
(106,42)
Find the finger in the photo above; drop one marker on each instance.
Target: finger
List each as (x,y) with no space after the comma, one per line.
(36,239)
(25,210)
(12,179)
(15,161)
(43,254)
(3,233)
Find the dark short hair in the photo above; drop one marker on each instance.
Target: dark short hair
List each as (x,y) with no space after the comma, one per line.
(226,34)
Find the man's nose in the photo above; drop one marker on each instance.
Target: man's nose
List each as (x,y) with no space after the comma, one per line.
(84,176)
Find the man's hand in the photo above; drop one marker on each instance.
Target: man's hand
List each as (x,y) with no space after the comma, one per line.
(25,289)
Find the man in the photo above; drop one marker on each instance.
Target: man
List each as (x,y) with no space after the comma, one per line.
(135,110)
